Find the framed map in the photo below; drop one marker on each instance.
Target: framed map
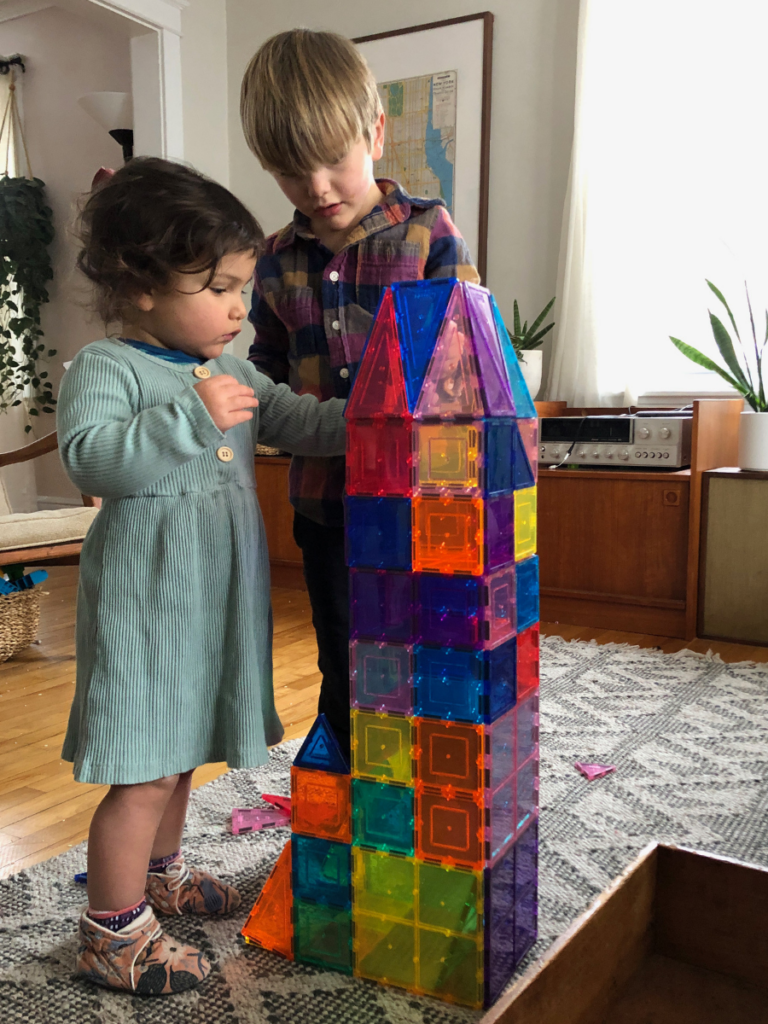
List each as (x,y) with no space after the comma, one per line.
(420,141)
(435,87)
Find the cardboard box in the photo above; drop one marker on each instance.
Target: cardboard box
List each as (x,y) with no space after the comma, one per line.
(679,938)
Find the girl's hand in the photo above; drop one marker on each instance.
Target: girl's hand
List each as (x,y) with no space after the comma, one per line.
(227,400)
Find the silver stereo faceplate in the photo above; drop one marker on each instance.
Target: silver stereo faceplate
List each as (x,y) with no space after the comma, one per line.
(645,442)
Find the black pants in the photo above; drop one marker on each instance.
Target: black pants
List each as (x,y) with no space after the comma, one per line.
(327,577)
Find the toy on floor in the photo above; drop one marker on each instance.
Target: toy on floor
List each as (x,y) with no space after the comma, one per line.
(594,771)
(253,819)
(418,867)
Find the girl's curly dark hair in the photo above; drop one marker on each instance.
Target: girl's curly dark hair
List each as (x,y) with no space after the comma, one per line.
(154,218)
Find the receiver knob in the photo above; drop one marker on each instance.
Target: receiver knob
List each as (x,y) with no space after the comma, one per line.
(624,454)
(582,453)
(556,452)
(595,453)
(609,453)
(665,432)
(643,432)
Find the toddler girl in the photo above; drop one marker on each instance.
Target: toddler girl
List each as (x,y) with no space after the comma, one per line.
(174,660)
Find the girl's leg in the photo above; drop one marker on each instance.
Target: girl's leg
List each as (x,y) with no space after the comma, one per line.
(121,839)
(168,836)
(173,887)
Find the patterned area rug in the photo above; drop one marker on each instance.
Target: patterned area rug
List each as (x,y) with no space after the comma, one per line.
(686,733)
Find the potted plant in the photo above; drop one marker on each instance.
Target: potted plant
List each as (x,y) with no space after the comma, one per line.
(744,373)
(527,341)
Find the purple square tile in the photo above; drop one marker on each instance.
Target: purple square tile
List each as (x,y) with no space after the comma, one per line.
(499,531)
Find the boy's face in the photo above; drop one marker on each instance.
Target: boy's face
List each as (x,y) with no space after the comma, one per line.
(337,197)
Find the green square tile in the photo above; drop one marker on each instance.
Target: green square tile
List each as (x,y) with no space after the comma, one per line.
(450,967)
(382,816)
(450,899)
(322,935)
(385,950)
(384,884)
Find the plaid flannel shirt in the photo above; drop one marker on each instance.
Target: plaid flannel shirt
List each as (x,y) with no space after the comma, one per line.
(312,310)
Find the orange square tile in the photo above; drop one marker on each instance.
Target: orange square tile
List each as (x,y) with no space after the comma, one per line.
(449,829)
(320,804)
(449,754)
(447,534)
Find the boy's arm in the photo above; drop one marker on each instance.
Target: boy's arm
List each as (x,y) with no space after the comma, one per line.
(298,424)
(109,450)
(448,252)
(269,351)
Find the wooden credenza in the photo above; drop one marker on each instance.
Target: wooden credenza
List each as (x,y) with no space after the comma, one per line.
(277,511)
(620,549)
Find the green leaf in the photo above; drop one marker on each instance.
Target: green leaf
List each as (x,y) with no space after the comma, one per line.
(724,343)
(720,296)
(516,318)
(698,357)
(540,318)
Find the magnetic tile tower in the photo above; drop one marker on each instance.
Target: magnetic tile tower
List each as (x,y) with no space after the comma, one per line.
(418,868)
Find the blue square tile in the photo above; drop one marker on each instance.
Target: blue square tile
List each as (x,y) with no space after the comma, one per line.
(527,577)
(448,683)
(378,532)
(499,436)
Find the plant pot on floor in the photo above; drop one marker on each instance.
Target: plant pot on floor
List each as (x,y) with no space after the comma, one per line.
(753,441)
(530,364)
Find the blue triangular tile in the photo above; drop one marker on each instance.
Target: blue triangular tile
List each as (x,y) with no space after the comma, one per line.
(420,307)
(524,407)
(321,751)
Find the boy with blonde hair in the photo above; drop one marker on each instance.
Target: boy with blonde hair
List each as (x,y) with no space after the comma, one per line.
(312,116)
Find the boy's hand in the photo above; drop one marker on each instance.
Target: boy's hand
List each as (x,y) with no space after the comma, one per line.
(227,400)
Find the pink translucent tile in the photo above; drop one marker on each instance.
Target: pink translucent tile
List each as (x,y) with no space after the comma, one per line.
(451,386)
(493,375)
(254,819)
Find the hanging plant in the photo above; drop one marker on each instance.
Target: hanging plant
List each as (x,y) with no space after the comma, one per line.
(26,231)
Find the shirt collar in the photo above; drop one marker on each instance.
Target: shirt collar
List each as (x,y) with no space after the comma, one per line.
(394,208)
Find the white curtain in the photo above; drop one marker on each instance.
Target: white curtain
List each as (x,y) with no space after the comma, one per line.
(667,187)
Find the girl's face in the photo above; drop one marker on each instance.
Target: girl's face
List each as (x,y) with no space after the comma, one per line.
(192,316)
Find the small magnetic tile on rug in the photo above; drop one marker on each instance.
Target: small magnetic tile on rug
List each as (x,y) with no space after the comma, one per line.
(594,771)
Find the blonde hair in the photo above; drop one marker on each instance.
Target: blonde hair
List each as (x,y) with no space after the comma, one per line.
(306,98)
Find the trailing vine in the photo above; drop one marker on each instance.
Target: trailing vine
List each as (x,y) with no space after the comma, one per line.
(26,231)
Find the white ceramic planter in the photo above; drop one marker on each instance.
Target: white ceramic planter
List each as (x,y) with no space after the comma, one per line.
(530,364)
(753,441)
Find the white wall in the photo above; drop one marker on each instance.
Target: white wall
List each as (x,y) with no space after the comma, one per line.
(66,56)
(534,67)
(204,74)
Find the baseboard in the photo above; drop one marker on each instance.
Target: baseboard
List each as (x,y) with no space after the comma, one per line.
(49,501)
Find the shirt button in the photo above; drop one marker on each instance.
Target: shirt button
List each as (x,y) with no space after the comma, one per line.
(334,276)
(225,454)
(201,372)
(336,325)
(344,372)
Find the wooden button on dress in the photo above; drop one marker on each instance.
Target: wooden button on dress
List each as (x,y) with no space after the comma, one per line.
(225,454)
(201,372)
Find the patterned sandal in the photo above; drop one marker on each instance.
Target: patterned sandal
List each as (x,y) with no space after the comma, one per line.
(183,890)
(140,958)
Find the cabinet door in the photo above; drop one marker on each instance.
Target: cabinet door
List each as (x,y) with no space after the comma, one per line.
(272,491)
(615,548)
(734,561)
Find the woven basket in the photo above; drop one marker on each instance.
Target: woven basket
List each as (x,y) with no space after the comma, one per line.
(19,619)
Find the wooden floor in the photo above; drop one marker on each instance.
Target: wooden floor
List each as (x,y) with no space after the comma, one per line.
(43,811)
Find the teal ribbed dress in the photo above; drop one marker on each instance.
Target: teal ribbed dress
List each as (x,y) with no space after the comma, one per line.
(174,629)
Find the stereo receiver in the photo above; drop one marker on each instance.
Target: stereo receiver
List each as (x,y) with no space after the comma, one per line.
(628,441)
